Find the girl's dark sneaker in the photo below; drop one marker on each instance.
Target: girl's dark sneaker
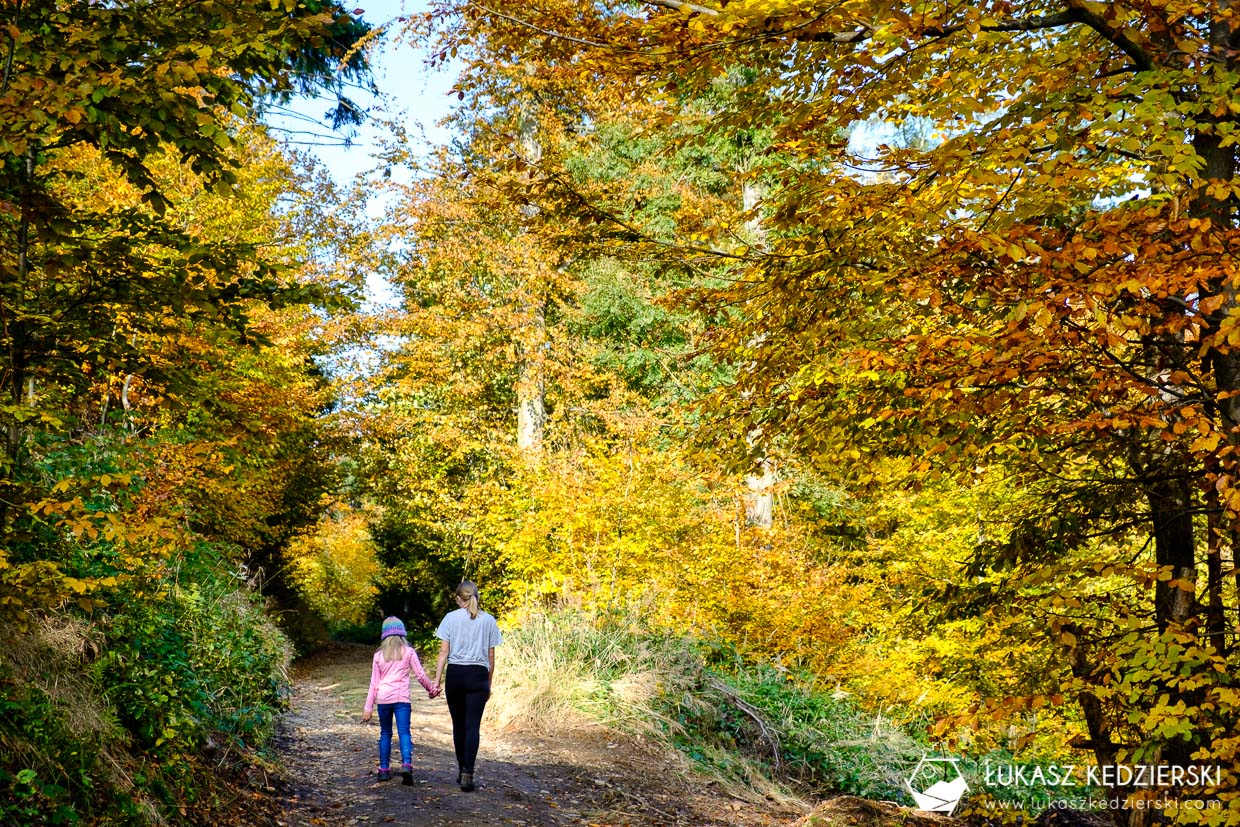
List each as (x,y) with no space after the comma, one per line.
(385,775)
(406,775)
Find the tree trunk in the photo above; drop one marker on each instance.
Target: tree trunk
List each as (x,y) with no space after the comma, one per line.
(760,498)
(531,386)
(18,366)
(1221,165)
(1170,502)
(1091,707)
(1216,616)
(531,344)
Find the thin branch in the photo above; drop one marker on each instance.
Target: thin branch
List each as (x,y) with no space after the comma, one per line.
(342,144)
(640,234)
(991,212)
(1116,37)
(549,33)
(768,732)
(8,61)
(681,6)
(1075,13)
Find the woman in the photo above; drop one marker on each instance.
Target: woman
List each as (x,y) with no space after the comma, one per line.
(469,638)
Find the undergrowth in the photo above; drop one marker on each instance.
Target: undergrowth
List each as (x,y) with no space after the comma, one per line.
(148,710)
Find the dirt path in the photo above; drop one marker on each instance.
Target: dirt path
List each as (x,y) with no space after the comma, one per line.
(584,779)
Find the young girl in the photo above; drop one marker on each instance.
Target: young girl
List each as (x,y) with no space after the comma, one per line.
(389,687)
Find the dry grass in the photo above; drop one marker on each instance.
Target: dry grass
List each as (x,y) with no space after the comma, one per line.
(535,693)
(560,673)
(52,658)
(850,811)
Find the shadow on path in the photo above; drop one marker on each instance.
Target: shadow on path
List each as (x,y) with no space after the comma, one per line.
(583,780)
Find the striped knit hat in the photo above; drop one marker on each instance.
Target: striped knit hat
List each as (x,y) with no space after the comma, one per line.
(392,626)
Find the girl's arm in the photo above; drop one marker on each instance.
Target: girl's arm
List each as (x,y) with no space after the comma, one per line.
(420,673)
(374,688)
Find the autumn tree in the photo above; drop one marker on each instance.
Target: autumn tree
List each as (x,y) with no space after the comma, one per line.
(159,487)
(613,512)
(117,85)
(145,251)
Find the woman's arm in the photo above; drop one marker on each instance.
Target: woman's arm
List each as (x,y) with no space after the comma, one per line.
(491,658)
(444,649)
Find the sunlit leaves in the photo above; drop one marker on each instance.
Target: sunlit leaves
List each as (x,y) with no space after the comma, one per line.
(334,566)
(1038,286)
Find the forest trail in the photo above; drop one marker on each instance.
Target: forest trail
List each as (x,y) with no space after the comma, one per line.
(580,778)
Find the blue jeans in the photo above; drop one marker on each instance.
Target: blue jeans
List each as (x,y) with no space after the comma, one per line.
(401,711)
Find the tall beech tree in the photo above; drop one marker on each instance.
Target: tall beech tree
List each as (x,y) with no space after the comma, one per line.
(1044,285)
(494,260)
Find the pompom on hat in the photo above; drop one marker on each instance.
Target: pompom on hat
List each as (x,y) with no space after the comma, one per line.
(392,626)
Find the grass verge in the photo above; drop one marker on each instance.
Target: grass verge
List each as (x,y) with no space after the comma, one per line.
(753,726)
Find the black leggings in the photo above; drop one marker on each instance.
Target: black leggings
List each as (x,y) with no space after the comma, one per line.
(468,688)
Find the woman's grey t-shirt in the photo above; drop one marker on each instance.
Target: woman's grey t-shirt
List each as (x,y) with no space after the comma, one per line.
(469,640)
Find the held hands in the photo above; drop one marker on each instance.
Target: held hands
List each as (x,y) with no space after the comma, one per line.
(434,691)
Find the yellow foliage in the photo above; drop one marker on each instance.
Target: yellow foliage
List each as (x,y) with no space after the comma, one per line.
(334,566)
(622,525)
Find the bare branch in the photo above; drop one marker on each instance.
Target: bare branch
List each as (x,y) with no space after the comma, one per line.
(682,6)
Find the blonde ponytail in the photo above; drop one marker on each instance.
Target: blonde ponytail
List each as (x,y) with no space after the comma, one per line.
(468,592)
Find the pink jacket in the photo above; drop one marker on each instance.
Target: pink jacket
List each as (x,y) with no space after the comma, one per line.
(389,680)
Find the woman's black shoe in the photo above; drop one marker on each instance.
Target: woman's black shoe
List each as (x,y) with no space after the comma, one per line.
(467,782)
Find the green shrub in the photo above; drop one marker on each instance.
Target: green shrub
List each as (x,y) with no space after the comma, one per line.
(108,719)
(43,777)
(195,660)
(60,747)
(735,714)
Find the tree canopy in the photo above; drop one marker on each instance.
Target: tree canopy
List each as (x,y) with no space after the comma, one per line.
(998,247)
(892,344)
